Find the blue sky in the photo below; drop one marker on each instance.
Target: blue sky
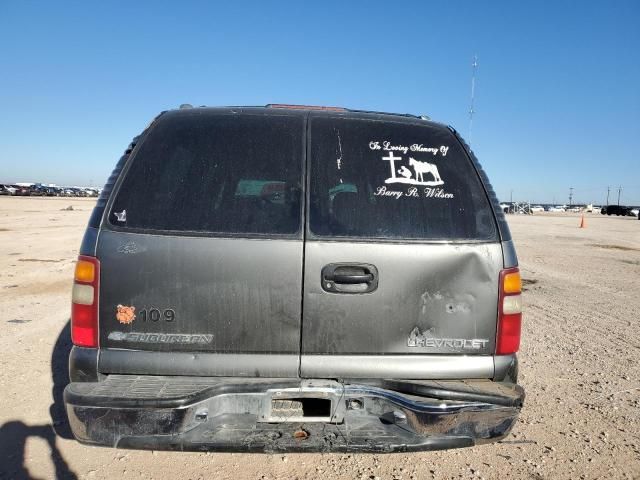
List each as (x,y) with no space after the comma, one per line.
(557,91)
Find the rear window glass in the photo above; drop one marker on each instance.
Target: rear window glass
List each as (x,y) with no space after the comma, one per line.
(215,173)
(377,179)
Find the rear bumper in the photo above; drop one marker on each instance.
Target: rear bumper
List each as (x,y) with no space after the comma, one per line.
(271,415)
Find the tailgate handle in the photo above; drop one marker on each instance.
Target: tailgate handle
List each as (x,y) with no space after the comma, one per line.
(343,278)
(349,278)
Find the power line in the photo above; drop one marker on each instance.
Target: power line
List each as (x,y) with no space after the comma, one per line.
(619,192)
(570,195)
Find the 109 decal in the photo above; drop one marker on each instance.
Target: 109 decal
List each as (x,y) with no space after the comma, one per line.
(413,172)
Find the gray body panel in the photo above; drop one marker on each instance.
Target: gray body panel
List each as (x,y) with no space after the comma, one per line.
(230,296)
(509,254)
(432,367)
(89,242)
(89,365)
(197,364)
(445,291)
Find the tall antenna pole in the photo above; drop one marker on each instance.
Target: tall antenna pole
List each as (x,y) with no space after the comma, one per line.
(474,67)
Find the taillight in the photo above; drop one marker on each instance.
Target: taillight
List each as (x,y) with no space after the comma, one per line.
(84,302)
(509,312)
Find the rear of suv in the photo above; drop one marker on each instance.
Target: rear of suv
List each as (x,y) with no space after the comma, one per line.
(295,279)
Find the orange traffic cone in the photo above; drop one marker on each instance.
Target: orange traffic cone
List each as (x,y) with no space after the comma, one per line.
(583,223)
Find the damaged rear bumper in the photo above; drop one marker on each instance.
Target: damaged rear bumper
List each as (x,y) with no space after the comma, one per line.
(286,415)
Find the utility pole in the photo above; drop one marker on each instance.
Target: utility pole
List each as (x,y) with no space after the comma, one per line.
(570,196)
(511,198)
(474,67)
(619,190)
(608,190)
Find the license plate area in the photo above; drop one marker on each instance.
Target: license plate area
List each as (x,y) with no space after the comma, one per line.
(301,406)
(307,408)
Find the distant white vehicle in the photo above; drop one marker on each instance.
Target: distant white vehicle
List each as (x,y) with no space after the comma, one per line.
(575,209)
(556,209)
(634,212)
(537,208)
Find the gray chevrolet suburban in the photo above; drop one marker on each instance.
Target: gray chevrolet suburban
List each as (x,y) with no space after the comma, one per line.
(295,278)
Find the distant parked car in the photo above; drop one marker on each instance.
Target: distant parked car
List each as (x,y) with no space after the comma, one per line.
(537,208)
(619,210)
(21,190)
(634,212)
(7,190)
(556,209)
(38,190)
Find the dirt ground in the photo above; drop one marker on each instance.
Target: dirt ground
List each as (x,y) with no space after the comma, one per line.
(580,364)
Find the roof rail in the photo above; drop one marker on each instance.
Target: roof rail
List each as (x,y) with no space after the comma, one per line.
(410,115)
(186,106)
(305,107)
(342,109)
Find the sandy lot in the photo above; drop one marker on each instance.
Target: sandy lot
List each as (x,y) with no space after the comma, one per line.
(580,364)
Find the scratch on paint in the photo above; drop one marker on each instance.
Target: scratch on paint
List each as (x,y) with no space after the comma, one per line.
(426,297)
(461,307)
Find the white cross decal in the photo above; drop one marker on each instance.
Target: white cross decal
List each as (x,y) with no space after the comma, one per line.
(392,159)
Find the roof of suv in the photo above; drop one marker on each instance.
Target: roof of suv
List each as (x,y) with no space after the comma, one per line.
(305,109)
